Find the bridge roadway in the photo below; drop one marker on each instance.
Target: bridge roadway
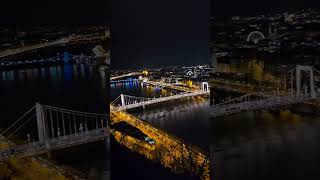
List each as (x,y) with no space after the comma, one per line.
(125,75)
(32,47)
(73,38)
(171,151)
(268,103)
(35,148)
(88,37)
(159,100)
(171,86)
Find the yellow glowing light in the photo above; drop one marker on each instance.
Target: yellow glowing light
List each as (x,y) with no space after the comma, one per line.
(189,83)
(145,72)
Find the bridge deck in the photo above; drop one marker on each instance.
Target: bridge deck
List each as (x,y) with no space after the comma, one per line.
(125,75)
(171,86)
(35,148)
(159,100)
(273,102)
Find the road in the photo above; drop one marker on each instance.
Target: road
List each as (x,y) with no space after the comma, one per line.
(170,151)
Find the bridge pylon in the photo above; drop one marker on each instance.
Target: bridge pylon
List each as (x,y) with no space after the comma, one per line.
(43,127)
(308,69)
(123,102)
(302,81)
(205,87)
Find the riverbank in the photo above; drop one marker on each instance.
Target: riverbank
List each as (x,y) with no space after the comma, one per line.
(33,168)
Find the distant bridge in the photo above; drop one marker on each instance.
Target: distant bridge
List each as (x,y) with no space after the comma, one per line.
(123,81)
(169,85)
(32,47)
(66,40)
(57,128)
(59,58)
(125,75)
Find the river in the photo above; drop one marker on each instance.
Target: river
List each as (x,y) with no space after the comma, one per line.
(274,144)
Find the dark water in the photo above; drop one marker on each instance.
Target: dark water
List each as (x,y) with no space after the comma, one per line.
(187,119)
(132,87)
(80,87)
(128,165)
(278,144)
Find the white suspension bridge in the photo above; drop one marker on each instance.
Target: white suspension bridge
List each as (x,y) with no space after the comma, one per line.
(56,128)
(126,102)
(258,101)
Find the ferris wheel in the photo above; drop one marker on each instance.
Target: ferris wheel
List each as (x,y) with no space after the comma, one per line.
(255,37)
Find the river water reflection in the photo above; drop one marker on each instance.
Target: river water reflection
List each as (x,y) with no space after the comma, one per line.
(277,144)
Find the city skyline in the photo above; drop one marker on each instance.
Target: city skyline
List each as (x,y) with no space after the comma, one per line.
(252,7)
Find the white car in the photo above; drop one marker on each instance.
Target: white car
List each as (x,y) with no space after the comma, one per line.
(149,140)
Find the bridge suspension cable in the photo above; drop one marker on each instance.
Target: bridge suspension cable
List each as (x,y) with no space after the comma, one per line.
(247,97)
(22,125)
(18,120)
(72,111)
(127,99)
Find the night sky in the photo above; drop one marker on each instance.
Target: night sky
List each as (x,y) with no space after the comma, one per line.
(253,7)
(43,12)
(149,33)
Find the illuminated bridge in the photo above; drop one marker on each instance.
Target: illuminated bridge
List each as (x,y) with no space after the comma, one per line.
(57,128)
(169,85)
(130,102)
(65,57)
(125,75)
(32,47)
(66,40)
(252,102)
